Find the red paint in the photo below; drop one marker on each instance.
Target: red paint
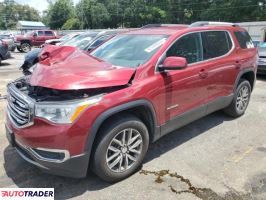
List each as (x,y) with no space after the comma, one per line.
(36,40)
(67,68)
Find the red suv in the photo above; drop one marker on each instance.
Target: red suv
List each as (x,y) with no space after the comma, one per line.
(34,38)
(102,110)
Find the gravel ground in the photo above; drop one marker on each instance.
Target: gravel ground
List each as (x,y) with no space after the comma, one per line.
(216,157)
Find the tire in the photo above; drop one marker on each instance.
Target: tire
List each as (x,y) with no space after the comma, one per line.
(242,94)
(25,47)
(19,49)
(0,60)
(105,146)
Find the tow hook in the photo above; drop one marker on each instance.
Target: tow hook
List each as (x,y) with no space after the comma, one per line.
(3,97)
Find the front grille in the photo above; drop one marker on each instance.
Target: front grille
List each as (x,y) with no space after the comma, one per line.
(18,108)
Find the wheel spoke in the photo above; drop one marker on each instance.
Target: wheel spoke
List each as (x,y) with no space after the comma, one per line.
(114,149)
(133,139)
(129,136)
(124,137)
(113,156)
(134,151)
(115,162)
(126,162)
(117,142)
(136,144)
(131,157)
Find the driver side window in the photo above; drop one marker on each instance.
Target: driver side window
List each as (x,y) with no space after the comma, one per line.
(189,47)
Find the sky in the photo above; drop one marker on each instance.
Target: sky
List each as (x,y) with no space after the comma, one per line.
(40,5)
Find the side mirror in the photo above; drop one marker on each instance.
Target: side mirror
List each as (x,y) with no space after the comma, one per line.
(173,63)
(34,34)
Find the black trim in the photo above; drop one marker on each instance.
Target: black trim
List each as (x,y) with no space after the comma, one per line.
(241,73)
(196,113)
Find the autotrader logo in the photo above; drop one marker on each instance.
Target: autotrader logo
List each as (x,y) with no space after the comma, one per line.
(27,193)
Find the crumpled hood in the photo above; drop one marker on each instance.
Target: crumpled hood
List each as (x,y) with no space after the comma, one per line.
(68,68)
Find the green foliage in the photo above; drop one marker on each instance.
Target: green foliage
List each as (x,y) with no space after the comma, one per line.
(11,12)
(133,13)
(71,24)
(59,12)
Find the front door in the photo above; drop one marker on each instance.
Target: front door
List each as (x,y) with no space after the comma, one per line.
(185,91)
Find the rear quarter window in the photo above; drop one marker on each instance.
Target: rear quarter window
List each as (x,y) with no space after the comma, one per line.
(244,39)
(215,44)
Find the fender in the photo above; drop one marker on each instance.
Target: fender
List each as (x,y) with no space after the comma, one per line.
(102,117)
(241,74)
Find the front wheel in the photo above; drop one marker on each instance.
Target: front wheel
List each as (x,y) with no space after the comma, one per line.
(121,148)
(25,47)
(241,99)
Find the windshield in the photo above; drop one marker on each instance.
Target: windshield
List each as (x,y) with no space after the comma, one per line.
(79,41)
(4,36)
(130,50)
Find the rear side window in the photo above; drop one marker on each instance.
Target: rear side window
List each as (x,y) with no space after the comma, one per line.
(244,39)
(40,33)
(215,44)
(48,33)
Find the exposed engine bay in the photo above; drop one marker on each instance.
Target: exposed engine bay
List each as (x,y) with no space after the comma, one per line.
(40,94)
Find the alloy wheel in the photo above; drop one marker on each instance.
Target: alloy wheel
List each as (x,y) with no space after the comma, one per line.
(124,150)
(242,99)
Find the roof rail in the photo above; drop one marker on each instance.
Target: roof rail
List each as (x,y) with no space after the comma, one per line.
(163,25)
(207,23)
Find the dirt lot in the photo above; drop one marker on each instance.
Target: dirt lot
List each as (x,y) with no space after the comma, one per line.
(213,158)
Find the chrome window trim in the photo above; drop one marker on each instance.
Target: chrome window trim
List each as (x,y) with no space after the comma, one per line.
(203,61)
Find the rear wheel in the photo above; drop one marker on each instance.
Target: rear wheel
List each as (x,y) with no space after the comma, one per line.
(241,99)
(25,47)
(121,148)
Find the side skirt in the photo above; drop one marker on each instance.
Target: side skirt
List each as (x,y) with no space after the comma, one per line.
(196,113)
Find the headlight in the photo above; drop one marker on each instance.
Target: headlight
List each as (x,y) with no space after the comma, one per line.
(64,113)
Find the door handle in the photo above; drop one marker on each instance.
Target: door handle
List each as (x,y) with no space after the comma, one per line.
(203,73)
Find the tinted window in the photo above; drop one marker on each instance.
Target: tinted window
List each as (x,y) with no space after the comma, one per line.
(129,50)
(48,33)
(189,47)
(99,41)
(215,44)
(40,33)
(244,40)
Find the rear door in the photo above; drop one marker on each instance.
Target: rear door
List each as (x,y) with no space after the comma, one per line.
(39,39)
(219,62)
(49,35)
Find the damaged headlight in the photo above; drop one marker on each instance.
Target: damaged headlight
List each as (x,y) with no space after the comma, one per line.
(64,113)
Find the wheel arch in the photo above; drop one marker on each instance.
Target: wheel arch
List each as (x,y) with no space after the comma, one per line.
(26,41)
(142,109)
(247,74)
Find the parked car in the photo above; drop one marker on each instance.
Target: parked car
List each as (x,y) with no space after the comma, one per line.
(62,39)
(100,111)
(262,61)
(34,38)
(9,40)
(4,53)
(86,41)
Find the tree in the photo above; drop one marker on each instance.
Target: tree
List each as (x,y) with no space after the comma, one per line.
(11,12)
(92,14)
(59,12)
(71,24)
